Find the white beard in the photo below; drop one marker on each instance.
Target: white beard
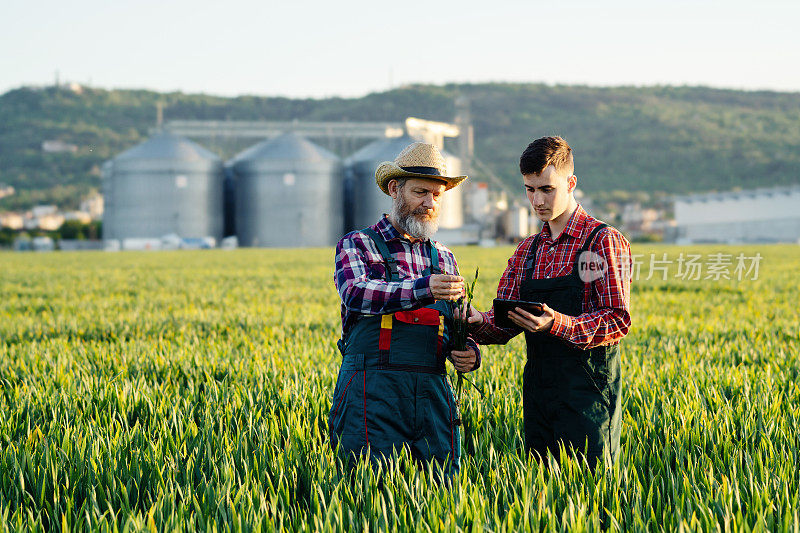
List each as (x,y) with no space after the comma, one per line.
(409,221)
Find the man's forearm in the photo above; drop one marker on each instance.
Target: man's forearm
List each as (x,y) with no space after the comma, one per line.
(488,333)
(588,330)
(375,297)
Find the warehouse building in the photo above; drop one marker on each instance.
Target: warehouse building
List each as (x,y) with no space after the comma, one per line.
(752,216)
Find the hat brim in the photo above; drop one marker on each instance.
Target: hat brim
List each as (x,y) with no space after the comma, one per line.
(389,170)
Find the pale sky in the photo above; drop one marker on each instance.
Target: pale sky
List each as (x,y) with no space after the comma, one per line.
(351,48)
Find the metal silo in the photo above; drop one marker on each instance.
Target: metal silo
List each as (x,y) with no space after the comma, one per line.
(368,203)
(288,194)
(166,185)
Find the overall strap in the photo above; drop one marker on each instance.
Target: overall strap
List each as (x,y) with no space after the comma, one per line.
(388,258)
(530,262)
(588,242)
(434,253)
(586,245)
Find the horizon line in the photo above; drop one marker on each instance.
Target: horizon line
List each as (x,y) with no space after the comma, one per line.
(69,84)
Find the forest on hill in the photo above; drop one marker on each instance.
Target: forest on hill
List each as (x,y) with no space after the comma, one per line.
(641,141)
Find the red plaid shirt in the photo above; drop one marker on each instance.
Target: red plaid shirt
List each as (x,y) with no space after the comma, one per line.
(606,301)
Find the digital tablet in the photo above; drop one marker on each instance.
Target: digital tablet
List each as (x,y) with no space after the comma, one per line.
(502,307)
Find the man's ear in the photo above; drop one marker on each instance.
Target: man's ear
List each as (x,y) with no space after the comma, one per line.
(572,182)
(392,188)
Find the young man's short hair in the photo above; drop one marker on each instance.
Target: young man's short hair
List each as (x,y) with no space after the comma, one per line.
(544,152)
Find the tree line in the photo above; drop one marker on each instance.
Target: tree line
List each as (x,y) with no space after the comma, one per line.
(654,140)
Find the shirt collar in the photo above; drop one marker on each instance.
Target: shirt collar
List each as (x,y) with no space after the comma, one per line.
(386,230)
(574,227)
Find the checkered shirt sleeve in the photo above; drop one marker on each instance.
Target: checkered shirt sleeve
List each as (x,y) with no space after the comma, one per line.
(605,317)
(361,272)
(360,280)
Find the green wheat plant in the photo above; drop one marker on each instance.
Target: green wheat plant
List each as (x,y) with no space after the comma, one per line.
(461,309)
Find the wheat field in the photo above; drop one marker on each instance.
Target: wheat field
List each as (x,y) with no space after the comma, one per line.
(190,391)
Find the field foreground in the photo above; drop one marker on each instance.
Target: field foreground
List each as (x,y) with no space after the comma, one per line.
(191,389)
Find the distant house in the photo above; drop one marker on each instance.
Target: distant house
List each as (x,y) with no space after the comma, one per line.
(47,222)
(44,217)
(94,206)
(11,220)
(56,146)
(39,211)
(81,216)
(752,216)
(638,220)
(6,190)
(43,244)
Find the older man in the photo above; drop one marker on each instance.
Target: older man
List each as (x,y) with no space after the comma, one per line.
(396,286)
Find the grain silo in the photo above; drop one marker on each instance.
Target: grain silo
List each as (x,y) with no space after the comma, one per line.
(166,185)
(368,203)
(288,194)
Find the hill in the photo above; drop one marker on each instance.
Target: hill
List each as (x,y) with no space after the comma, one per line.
(627,140)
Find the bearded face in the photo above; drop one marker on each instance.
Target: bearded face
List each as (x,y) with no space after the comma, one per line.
(414,212)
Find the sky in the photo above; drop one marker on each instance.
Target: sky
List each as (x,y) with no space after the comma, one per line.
(317,49)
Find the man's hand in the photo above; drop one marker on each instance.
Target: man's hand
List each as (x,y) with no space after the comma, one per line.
(447,287)
(464,361)
(533,323)
(475,317)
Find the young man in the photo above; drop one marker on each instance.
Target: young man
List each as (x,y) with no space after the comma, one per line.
(579,269)
(396,286)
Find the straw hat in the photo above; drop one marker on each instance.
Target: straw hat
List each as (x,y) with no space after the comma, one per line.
(417,160)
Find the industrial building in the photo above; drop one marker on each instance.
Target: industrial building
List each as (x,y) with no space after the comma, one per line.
(753,216)
(285,191)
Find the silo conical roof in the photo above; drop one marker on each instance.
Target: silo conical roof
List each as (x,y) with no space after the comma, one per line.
(382,149)
(289,146)
(167,146)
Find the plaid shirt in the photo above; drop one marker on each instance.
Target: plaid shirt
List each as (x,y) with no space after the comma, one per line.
(606,301)
(361,273)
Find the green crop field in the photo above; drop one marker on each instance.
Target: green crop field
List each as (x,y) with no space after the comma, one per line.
(190,390)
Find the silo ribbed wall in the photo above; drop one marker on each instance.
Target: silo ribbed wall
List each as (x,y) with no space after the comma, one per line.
(167,185)
(288,194)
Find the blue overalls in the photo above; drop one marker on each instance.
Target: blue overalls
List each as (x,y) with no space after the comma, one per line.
(392,390)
